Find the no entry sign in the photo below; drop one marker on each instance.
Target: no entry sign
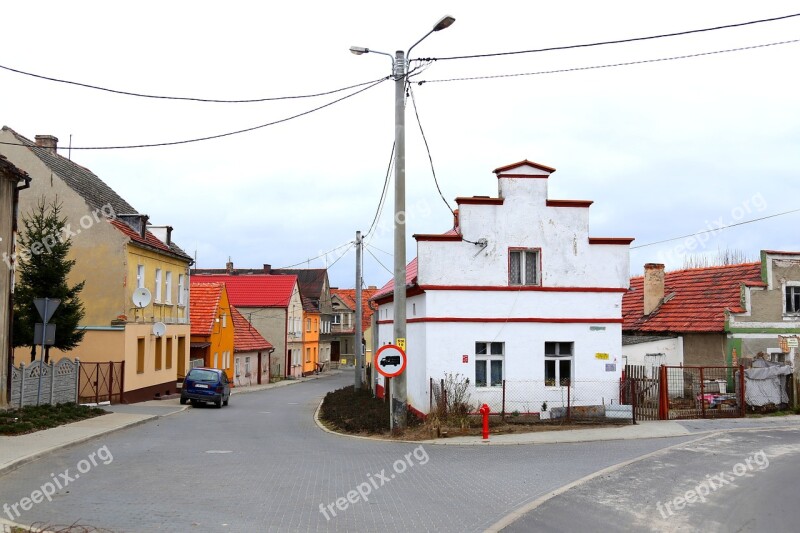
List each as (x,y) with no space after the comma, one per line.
(390,360)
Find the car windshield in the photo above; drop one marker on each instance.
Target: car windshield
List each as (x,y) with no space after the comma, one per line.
(202,375)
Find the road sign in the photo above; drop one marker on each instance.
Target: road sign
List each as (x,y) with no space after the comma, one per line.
(49,334)
(401,343)
(46,307)
(390,360)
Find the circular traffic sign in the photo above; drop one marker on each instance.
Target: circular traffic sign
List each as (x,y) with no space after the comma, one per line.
(390,360)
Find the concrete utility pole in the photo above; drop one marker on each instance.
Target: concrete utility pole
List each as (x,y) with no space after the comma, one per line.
(399,400)
(359,383)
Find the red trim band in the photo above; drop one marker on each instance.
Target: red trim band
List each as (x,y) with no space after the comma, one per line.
(611,240)
(475,200)
(569,203)
(502,175)
(435,237)
(542,320)
(512,288)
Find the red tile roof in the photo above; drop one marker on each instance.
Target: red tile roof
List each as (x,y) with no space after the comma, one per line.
(148,240)
(348,296)
(701,296)
(411,279)
(203,306)
(245,337)
(255,290)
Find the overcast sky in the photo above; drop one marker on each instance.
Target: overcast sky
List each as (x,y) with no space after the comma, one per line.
(664,149)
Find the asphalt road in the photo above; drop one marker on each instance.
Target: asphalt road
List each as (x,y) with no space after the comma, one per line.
(739,481)
(262,464)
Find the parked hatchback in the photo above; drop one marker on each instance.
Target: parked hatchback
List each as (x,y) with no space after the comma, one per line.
(205,385)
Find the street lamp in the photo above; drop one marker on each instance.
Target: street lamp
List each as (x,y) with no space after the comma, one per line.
(400,74)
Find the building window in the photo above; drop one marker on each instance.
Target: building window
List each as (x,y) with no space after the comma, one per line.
(216,360)
(558,363)
(226,360)
(337,318)
(159,351)
(168,288)
(140,356)
(236,367)
(308,355)
(224,320)
(792,299)
(246,366)
(169,353)
(523,267)
(308,324)
(489,364)
(140,276)
(158,285)
(181,289)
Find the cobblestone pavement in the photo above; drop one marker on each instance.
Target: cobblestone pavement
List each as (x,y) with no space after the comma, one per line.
(262,464)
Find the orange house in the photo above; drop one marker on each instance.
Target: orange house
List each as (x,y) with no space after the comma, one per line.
(311,318)
(212,327)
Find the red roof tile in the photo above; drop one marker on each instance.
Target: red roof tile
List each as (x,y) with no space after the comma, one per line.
(255,290)
(245,337)
(348,296)
(203,306)
(149,239)
(411,279)
(701,296)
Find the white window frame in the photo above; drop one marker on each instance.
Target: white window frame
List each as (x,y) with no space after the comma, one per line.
(236,367)
(158,285)
(168,288)
(140,276)
(182,289)
(247,366)
(563,351)
(485,355)
(337,318)
(521,255)
(794,288)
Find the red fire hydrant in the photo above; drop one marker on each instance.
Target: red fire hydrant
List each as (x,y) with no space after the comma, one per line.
(484,410)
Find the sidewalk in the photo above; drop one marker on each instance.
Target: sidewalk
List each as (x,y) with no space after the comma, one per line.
(17,450)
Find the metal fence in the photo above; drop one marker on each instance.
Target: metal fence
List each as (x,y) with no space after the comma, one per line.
(541,400)
(702,392)
(102,382)
(45,383)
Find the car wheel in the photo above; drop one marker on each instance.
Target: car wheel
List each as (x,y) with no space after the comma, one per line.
(183,401)
(218,403)
(226,401)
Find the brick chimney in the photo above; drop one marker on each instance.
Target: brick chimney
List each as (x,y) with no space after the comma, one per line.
(455,219)
(229,266)
(48,142)
(653,286)
(267,268)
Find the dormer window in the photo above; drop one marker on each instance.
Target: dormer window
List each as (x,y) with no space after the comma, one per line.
(792,300)
(523,266)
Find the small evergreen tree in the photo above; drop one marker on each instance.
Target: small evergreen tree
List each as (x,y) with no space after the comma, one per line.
(43,268)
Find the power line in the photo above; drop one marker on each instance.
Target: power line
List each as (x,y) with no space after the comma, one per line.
(183,98)
(714,230)
(617,41)
(382,200)
(319,256)
(221,135)
(428,149)
(378,260)
(628,63)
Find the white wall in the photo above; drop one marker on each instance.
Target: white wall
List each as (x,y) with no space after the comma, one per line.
(636,354)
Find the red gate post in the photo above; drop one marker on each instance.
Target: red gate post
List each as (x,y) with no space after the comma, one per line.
(632,392)
(110,380)
(702,393)
(122,382)
(663,397)
(430,397)
(97,384)
(484,410)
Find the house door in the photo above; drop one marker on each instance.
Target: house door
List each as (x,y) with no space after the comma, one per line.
(288,364)
(335,351)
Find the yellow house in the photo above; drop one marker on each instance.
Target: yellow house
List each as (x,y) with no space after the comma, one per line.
(136,294)
(311,322)
(212,342)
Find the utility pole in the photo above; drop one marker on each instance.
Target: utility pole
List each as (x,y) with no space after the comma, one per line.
(359,383)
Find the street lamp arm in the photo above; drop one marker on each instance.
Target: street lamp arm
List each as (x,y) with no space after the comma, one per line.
(359,50)
(444,22)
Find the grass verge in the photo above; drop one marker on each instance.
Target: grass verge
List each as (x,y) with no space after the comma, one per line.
(38,417)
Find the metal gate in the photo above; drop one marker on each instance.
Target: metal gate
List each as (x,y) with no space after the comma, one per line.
(642,391)
(102,382)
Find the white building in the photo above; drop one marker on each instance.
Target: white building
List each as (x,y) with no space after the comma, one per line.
(517,291)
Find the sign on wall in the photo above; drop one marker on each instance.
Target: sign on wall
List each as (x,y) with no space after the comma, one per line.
(390,360)
(601,356)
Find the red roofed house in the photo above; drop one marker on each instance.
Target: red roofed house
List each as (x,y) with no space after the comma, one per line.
(212,343)
(715,316)
(516,291)
(117,253)
(343,328)
(251,353)
(272,304)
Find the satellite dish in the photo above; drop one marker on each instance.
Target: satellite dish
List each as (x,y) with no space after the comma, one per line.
(141,297)
(159,328)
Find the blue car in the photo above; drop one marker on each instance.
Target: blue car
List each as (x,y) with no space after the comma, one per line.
(205,385)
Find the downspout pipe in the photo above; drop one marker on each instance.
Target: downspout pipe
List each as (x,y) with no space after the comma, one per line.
(15,210)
